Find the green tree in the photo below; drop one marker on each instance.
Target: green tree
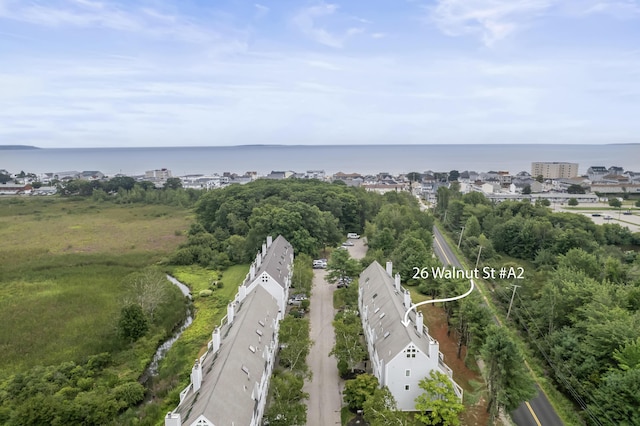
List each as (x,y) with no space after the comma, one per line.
(341,265)
(453,175)
(507,377)
(411,253)
(614,202)
(148,289)
(575,189)
(172,183)
(133,323)
(380,409)
(287,408)
(572,202)
(348,347)
(358,390)
(472,227)
(295,342)
(526,189)
(439,404)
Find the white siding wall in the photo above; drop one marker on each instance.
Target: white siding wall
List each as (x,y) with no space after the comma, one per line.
(420,366)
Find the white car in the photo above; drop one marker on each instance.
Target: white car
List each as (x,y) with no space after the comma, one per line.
(347,243)
(353,235)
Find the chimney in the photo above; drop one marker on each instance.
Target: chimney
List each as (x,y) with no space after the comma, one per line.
(407,299)
(243,292)
(269,241)
(419,323)
(196,376)
(397,282)
(264,249)
(230,312)
(390,268)
(216,340)
(252,271)
(434,349)
(173,419)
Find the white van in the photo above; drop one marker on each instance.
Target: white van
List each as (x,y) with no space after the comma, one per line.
(353,235)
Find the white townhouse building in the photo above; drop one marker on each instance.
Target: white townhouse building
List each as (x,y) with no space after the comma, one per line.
(230,382)
(400,355)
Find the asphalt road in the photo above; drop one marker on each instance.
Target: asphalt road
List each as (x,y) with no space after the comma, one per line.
(536,412)
(325,387)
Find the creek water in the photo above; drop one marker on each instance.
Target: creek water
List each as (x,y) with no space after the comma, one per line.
(152,369)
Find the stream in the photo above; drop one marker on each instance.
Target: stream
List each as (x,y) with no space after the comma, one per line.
(152,369)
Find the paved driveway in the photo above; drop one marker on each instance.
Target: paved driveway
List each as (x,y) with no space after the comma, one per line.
(325,399)
(325,387)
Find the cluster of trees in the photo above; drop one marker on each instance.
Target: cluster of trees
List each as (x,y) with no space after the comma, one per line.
(579,301)
(126,190)
(400,232)
(68,393)
(470,321)
(310,214)
(286,405)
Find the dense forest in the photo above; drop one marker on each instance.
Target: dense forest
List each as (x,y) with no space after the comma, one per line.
(579,304)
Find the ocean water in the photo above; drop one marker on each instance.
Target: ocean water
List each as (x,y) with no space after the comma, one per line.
(366,159)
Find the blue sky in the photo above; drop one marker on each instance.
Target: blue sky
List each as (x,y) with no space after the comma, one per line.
(91,73)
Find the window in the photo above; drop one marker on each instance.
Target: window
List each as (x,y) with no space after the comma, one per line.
(407,373)
(406,387)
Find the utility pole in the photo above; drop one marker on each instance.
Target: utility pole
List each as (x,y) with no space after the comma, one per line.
(460,239)
(478,259)
(512,296)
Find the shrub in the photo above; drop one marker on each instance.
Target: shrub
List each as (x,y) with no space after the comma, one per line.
(205,293)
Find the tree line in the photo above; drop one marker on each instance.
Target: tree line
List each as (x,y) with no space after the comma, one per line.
(579,301)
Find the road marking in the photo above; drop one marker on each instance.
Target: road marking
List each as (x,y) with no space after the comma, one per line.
(533,414)
(442,250)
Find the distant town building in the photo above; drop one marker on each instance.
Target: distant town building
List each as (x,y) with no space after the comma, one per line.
(158,174)
(597,173)
(315,174)
(554,170)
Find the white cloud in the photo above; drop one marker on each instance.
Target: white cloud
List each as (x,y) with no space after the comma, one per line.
(147,22)
(261,10)
(306,20)
(623,9)
(491,20)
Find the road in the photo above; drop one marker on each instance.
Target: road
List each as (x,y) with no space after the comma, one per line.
(536,412)
(325,387)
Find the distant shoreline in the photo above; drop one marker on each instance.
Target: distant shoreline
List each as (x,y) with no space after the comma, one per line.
(31,147)
(7,147)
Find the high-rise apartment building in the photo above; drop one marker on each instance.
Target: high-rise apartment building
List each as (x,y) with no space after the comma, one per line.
(554,170)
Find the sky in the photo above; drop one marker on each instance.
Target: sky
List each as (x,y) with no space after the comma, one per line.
(91,73)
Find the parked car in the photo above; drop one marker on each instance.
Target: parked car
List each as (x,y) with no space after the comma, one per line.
(319,263)
(596,215)
(347,243)
(353,235)
(627,212)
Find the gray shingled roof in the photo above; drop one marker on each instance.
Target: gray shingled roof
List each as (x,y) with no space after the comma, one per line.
(277,261)
(385,313)
(225,397)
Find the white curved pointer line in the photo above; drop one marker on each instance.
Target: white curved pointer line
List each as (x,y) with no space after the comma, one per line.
(405,322)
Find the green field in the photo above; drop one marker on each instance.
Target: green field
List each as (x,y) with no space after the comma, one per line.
(62,265)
